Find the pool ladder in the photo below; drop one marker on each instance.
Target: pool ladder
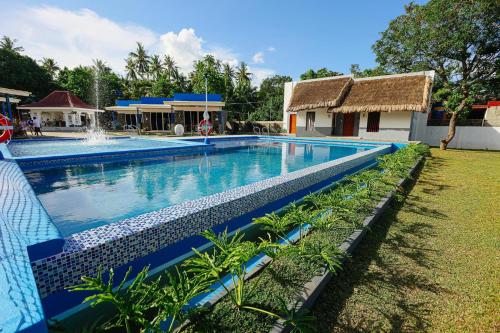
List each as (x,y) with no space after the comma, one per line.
(261,131)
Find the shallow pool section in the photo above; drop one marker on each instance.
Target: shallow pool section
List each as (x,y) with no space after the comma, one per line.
(87,196)
(39,148)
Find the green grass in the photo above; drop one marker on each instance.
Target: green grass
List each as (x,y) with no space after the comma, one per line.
(431,263)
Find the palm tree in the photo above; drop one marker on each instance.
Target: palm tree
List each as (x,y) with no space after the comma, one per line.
(100,66)
(50,66)
(242,75)
(171,69)
(141,60)
(155,67)
(9,44)
(130,69)
(229,74)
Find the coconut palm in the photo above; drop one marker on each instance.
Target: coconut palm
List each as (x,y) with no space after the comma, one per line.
(155,67)
(50,66)
(100,66)
(141,60)
(130,69)
(171,69)
(9,44)
(242,75)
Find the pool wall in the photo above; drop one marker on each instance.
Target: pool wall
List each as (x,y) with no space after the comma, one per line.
(122,242)
(24,224)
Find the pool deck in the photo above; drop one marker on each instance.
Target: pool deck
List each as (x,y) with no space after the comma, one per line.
(34,257)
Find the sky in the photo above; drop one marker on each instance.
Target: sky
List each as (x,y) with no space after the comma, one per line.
(271,36)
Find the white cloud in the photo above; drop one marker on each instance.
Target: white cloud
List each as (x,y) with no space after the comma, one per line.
(75,37)
(271,49)
(260,74)
(258,58)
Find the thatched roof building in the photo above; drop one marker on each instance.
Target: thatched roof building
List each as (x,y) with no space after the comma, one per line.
(406,92)
(319,93)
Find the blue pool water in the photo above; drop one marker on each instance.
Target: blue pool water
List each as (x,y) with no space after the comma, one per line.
(86,196)
(66,147)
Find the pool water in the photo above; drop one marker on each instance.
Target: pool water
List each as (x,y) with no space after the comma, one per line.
(67,147)
(87,196)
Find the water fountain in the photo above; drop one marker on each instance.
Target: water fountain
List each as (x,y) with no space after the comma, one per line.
(96,135)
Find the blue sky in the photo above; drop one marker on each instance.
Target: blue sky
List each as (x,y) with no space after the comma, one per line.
(283,37)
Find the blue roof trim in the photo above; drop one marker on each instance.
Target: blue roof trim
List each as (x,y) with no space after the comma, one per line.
(126,102)
(197,97)
(154,100)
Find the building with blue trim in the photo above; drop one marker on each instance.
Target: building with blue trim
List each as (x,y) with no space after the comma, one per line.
(162,114)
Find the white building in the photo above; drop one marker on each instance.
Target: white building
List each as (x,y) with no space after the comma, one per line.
(62,110)
(392,107)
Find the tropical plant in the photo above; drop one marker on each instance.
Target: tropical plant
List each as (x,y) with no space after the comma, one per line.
(50,66)
(140,60)
(170,68)
(130,69)
(9,44)
(278,225)
(155,67)
(131,303)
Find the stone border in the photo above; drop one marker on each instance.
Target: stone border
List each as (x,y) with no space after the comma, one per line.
(119,243)
(315,286)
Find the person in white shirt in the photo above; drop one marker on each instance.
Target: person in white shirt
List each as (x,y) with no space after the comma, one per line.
(37,126)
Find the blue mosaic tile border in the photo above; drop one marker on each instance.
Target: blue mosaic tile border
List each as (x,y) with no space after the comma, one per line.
(23,223)
(116,244)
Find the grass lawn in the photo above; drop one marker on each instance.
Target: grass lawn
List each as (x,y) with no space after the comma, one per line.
(432,262)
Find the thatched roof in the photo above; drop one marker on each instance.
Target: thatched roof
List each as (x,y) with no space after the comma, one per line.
(319,93)
(386,94)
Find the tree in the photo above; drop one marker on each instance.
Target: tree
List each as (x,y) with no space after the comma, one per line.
(245,96)
(50,66)
(80,81)
(320,73)
(22,72)
(368,72)
(459,40)
(140,59)
(211,67)
(155,67)
(9,44)
(130,69)
(162,87)
(270,96)
(170,68)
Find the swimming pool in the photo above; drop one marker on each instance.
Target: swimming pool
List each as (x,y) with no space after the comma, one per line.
(83,197)
(38,148)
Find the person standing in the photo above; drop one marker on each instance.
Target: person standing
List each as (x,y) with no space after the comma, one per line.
(37,124)
(30,125)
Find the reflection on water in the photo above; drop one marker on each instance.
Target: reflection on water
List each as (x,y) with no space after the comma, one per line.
(83,197)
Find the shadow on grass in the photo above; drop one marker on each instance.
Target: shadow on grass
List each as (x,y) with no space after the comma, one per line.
(380,280)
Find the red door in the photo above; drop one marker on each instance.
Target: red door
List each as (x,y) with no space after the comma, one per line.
(293,124)
(348,127)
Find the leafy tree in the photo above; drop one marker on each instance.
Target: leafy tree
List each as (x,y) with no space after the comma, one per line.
(270,96)
(320,73)
(163,87)
(141,60)
(22,72)
(9,44)
(357,72)
(80,81)
(50,66)
(211,67)
(457,39)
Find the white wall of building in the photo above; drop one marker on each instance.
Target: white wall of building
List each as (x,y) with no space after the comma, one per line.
(287,98)
(393,126)
(466,137)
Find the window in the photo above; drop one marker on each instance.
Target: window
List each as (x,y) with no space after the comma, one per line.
(310,117)
(373,122)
